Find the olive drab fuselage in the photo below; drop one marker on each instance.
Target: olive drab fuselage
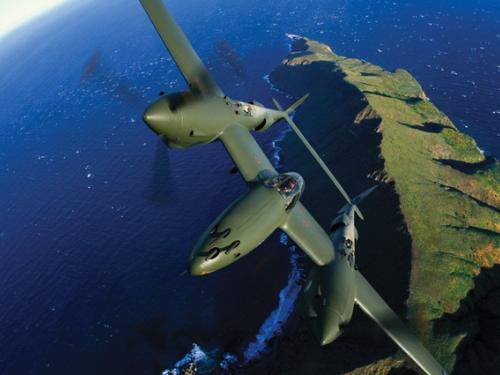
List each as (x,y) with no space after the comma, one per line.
(184,119)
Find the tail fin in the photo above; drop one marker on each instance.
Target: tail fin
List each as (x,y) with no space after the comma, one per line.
(356,200)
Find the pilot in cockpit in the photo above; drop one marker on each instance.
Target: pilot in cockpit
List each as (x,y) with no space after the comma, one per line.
(288,186)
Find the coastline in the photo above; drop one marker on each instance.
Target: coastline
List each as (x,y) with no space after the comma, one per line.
(371,124)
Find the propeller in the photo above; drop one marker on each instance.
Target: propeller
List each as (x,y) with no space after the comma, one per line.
(161,184)
(229,57)
(328,172)
(94,69)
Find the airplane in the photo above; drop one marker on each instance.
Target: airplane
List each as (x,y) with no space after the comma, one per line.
(332,290)
(203,115)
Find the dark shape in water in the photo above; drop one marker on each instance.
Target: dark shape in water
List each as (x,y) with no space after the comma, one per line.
(90,67)
(229,55)
(153,332)
(94,68)
(161,186)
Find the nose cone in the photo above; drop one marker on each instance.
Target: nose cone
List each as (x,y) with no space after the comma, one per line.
(326,336)
(157,116)
(325,328)
(199,263)
(198,266)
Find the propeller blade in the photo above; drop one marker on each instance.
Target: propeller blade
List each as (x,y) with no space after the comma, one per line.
(90,67)
(229,57)
(181,50)
(161,181)
(96,71)
(313,152)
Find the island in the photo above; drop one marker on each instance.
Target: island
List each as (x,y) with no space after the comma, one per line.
(430,243)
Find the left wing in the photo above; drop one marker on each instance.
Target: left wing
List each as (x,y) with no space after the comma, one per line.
(308,235)
(190,65)
(376,308)
(245,152)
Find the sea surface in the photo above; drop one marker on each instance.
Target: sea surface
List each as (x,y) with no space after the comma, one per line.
(97,218)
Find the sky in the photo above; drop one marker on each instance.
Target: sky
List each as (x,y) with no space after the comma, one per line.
(14,13)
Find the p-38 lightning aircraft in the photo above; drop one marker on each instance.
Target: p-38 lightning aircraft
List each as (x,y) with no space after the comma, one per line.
(204,114)
(332,290)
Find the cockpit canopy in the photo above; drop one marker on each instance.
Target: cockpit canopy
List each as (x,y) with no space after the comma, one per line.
(241,108)
(289,185)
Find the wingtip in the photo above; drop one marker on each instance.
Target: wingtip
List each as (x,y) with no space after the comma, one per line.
(358,211)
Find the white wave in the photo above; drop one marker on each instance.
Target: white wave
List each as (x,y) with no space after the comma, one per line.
(293,37)
(228,360)
(195,356)
(274,88)
(276,158)
(272,327)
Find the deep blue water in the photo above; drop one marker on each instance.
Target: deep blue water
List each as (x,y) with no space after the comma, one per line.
(96,221)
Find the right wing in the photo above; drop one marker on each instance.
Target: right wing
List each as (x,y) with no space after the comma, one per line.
(376,308)
(245,152)
(308,235)
(190,65)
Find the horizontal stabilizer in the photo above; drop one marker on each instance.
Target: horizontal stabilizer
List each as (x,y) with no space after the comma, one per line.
(194,71)
(294,106)
(356,200)
(313,152)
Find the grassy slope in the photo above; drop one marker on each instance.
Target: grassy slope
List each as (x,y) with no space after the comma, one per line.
(453,217)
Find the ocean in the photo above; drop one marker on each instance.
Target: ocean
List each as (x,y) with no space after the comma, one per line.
(97,220)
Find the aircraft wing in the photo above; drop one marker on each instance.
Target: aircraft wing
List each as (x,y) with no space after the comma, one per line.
(305,231)
(245,152)
(376,308)
(190,65)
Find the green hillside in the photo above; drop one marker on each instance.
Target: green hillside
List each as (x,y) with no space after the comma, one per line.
(372,124)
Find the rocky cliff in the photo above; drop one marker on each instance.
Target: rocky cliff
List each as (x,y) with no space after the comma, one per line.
(431,238)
